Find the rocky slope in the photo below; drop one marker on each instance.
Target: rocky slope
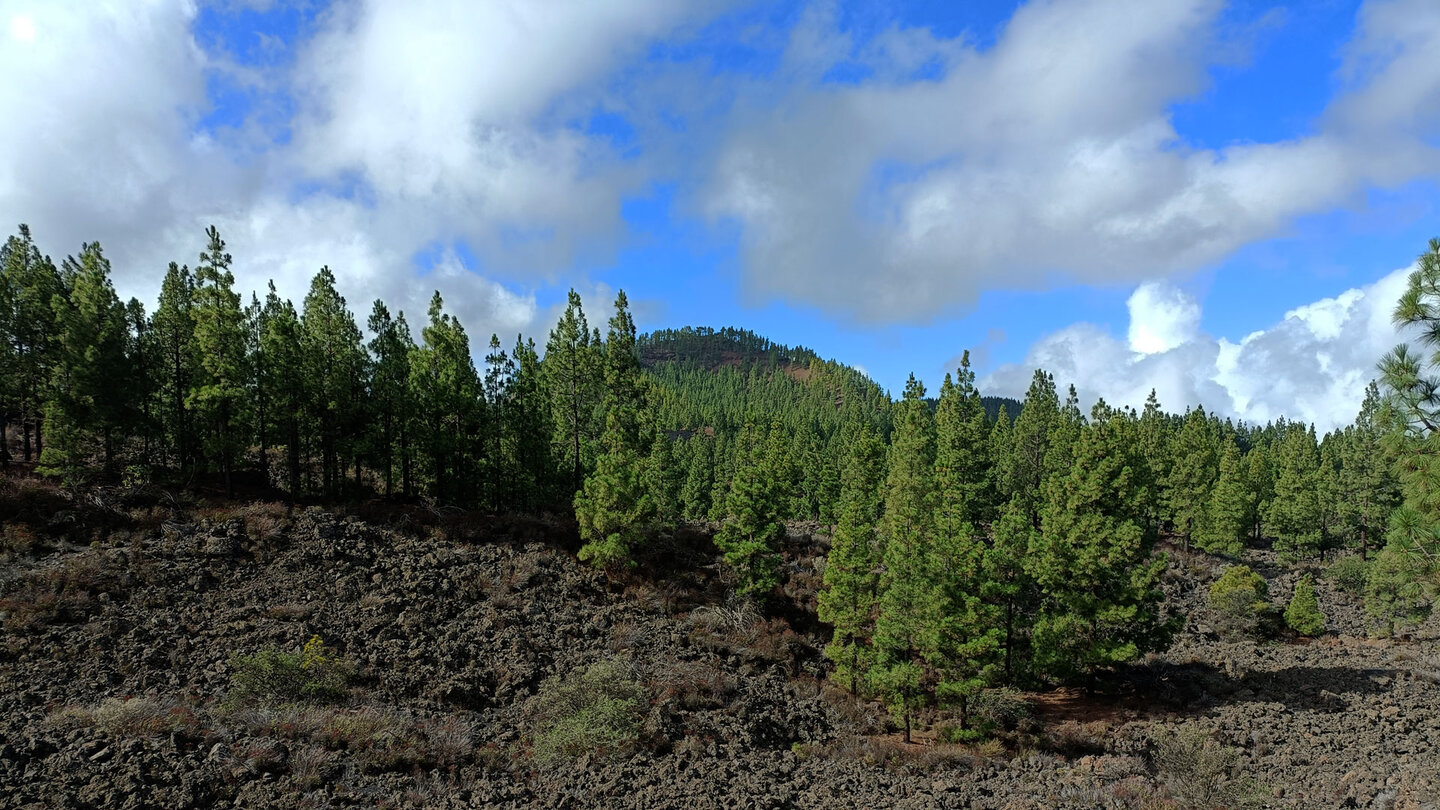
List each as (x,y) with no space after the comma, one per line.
(118,687)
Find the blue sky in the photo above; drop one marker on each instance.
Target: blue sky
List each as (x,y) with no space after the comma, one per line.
(1209,198)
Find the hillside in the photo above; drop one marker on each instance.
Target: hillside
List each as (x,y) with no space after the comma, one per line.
(126,632)
(724,378)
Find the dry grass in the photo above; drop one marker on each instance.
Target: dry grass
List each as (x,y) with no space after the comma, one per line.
(65,593)
(374,739)
(693,685)
(131,717)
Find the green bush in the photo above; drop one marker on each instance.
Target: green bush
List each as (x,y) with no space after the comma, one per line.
(952,734)
(314,674)
(1303,613)
(1201,772)
(1003,708)
(1397,591)
(596,712)
(1240,600)
(1348,574)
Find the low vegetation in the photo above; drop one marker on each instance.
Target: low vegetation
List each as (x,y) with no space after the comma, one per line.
(315,673)
(595,711)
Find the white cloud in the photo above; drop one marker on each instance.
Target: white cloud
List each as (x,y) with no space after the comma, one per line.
(100,99)
(894,198)
(1162,317)
(1313,365)
(1050,154)
(455,115)
(425,123)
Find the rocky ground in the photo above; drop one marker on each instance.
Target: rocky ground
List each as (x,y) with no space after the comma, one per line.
(122,625)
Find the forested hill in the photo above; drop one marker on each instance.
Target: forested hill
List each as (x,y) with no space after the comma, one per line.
(720,379)
(712,348)
(993,405)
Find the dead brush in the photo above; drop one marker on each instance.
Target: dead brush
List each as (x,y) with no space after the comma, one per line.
(857,717)
(290,612)
(131,717)
(265,522)
(1075,739)
(66,593)
(694,685)
(312,766)
(625,635)
(735,620)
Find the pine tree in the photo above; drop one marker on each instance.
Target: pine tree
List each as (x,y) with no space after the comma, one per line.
(1397,588)
(335,367)
(285,378)
(615,507)
(1294,516)
(1094,562)
(847,597)
(1153,437)
(29,282)
(1368,487)
(906,630)
(1261,477)
(962,461)
(752,528)
(1028,462)
(969,636)
(90,374)
(390,350)
(1303,613)
(1194,462)
(1007,585)
(497,469)
(173,326)
(218,392)
(139,411)
(699,478)
(572,380)
(1230,511)
(257,363)
(665,477)
(445,390)
(528,428)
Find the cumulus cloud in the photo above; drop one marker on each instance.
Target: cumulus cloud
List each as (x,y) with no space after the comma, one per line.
(1313,365)
(947,169)
(1162,317)
(100,102)
(406,127)
(1051,153)
(455,115)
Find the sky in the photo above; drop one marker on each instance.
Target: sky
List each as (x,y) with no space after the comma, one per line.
(1217,200)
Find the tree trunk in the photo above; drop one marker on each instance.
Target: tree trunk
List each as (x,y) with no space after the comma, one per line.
(293,454)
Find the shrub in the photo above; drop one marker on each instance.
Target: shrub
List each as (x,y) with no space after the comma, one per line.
(953,734)
(1303,613)
(1348,574)
(18,538)
(63,594)
(1199,771)
(596,712)
(314,674)
(1240,601)
(1396,592)
(999,708)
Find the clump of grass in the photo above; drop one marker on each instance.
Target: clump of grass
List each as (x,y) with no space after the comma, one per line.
(63,594)
(131,717)
(596,712)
